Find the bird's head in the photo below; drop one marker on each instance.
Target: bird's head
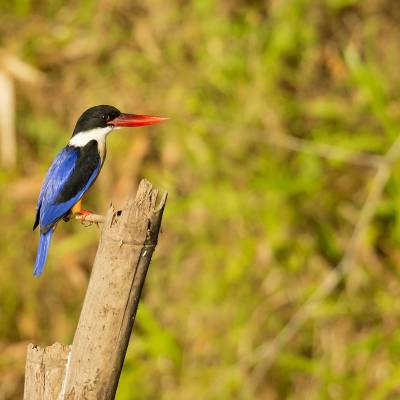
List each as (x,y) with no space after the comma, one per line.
(98,121)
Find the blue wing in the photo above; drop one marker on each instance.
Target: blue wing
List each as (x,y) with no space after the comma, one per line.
(63,164)
(49,210)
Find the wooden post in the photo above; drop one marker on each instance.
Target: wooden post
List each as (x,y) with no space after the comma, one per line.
(127,242)
(44,371)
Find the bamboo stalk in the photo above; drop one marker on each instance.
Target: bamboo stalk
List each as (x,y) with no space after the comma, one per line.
(127,243)
(44,371)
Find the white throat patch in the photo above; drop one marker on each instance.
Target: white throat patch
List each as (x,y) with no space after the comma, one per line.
(81,139)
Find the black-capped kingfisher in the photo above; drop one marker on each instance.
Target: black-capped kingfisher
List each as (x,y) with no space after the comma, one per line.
(75,169)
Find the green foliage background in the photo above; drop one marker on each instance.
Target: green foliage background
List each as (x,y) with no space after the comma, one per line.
(251,228)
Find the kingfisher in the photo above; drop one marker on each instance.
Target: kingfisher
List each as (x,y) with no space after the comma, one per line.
(75,169)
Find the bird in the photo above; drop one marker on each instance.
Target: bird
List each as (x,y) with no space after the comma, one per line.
(75,169)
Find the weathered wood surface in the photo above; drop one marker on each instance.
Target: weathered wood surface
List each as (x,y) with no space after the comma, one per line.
(44,371)
(128,239)
(127,242)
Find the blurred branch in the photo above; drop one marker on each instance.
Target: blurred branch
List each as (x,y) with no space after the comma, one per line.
(265,355)
(326,150)
(12,69)
(8,141)
(20,70)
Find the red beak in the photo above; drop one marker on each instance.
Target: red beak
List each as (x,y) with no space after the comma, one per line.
(125,120)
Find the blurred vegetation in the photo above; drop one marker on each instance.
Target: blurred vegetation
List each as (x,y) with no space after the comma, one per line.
(251,228)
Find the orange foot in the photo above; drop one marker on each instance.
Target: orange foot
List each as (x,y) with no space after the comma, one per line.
(78,210)
(84,213)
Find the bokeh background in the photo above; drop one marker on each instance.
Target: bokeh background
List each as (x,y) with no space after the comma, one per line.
(277,271)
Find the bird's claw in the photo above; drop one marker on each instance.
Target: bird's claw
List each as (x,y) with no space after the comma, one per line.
(84,214)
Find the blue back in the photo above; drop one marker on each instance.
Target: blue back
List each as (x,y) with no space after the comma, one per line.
(57,177)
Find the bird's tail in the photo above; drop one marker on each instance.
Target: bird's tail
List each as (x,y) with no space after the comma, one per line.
(43,249)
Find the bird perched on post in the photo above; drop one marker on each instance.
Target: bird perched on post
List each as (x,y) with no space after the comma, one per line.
(75,169)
